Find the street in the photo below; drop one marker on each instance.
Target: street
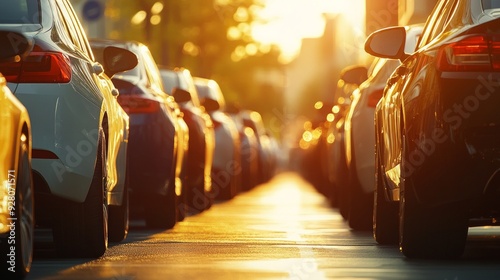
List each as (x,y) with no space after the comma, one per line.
(280,230)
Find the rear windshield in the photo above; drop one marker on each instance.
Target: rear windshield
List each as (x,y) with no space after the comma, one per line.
(20,11)
(490,4)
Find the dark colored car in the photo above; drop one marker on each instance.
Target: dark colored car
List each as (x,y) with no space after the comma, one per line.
(349,80)
(438,130)
(267,144)
(358,133)
(249,149)
(153,136)
(198,188)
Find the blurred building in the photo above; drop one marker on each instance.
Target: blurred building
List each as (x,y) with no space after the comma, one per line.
(313,74)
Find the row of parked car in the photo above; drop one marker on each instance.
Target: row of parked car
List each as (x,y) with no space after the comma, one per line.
(94,131)
(409,147)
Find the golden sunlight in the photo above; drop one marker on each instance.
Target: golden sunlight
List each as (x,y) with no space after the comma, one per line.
(286,22)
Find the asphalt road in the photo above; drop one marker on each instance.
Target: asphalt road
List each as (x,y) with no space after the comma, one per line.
(280,230)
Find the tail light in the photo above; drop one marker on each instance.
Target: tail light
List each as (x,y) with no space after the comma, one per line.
(475,53)
(38,67)
(138,105)
(374,97)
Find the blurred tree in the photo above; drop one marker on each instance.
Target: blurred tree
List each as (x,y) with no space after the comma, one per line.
(213,39)
(210,38)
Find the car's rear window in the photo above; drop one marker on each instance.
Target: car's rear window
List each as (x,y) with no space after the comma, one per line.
(491,4)
(20,11)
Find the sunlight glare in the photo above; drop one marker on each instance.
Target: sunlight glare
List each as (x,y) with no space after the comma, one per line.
(286,22)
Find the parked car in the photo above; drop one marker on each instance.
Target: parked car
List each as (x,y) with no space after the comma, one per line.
(79,131)
(266,143)
(17,217)
(313,148)
(249,149)
(349,80)
(179,83)
(358,133)
(437,130)
(154,142)
(226,166)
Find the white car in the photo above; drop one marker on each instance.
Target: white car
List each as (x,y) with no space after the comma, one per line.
(79,130)
(226,166)
(359,131)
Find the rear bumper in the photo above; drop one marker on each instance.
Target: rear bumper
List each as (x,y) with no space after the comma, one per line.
(454,140)
(151,153)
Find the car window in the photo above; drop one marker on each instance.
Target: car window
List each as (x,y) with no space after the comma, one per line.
(186,75)
(68,24)
(62,29)
(490,4)
(151,68)
(20,11)
(426,34)
(170,80)
(80,34)
(443,19)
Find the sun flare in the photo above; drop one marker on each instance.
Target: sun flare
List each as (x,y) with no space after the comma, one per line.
(286,22)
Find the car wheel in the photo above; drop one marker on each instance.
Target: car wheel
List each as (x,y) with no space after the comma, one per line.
(82,230)
(181,206)
(385,213)
(17,246)
(430,232)
(161,210)
(118,222)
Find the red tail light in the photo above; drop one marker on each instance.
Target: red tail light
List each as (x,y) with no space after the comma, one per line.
(38,67)
(475,53)
(374,97)
(138,105)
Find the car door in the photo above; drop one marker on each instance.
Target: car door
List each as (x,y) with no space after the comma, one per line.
(403,87)
(105,91)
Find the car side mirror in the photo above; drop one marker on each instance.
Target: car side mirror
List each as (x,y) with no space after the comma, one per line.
(14,46)
(355,74)
(181,95)
(210,105)
(118,60)
(387,43)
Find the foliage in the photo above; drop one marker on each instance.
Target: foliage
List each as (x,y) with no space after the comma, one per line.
(194,34)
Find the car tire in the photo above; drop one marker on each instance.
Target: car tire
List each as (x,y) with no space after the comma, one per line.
(181,206)
(343,188)
(429,232)
(385,213)
(17,263)
(161,210)
(118,222)
(361,203)
(82,229)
